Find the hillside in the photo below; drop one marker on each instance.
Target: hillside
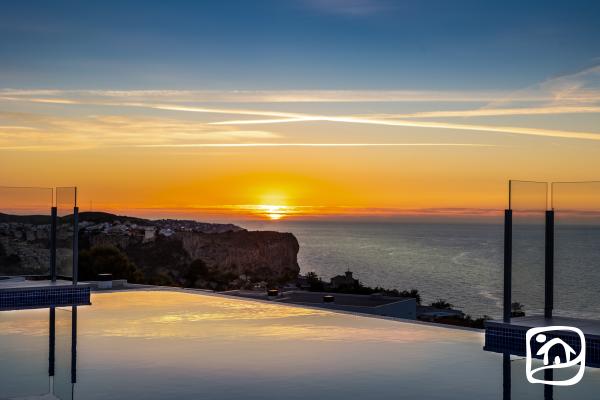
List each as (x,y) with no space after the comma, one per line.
(169,252)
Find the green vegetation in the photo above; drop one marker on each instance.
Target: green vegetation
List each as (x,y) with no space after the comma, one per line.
(195,271)
(9,263)
(198,275)
(164,263)
(466,321)
(459,319)
(159,279)
(318,285)
(107,259)
(315,282)
(442,304)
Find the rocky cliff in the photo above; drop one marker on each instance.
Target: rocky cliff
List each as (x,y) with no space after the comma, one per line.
(217,256)
(25,246)
(260,256)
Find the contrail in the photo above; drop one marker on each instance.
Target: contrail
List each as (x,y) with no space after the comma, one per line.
(192,145)
(428,124)
(491,112)
(287,117)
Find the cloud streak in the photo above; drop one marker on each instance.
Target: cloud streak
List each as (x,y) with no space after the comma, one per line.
(38,132)
(290,118)
(242,145)
(359,8)
(579,88)
(264,96)
(495,112)
(575,93)
(26,131)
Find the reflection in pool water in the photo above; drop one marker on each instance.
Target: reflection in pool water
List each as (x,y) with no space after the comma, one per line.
(175,345)
(22,371)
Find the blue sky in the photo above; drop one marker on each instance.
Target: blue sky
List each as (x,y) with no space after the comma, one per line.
(294,44)
(358,104)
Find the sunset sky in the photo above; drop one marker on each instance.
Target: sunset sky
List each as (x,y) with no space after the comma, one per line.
(289,109)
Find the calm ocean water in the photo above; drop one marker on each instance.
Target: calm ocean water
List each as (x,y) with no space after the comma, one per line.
(459,262)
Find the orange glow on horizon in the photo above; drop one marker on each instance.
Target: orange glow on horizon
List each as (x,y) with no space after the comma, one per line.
(286,184)
(274,212)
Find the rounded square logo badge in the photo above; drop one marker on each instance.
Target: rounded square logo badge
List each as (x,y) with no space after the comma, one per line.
(547,348)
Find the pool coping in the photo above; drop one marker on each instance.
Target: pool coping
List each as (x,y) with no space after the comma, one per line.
(193,291)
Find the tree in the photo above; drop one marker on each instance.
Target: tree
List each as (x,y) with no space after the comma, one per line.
(441,304)
(160,279)
(316,284)
(107,259)
(414,293)
(196,270)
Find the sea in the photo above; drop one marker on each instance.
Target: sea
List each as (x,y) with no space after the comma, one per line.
(459,262)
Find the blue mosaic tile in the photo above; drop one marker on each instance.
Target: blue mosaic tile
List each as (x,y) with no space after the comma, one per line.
(511,339)
(44,296)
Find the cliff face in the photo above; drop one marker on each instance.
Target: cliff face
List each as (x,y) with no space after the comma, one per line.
(25,247)
(216,256)
(229,256)
(261,256)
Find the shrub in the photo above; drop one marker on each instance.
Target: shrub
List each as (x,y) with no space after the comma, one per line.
(107,259)
(196,270)
(441,304)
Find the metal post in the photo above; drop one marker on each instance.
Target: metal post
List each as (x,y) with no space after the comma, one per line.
(53,222)
(507,265)
(51,341)
(506,378)
(75,245)
(74,344)
(549,265)
(548,389)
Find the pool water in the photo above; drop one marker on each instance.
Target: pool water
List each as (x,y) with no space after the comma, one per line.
(177,345)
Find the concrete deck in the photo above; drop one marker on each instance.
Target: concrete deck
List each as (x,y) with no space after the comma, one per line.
(18,283)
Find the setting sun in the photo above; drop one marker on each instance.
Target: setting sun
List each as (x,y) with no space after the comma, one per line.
(273,212)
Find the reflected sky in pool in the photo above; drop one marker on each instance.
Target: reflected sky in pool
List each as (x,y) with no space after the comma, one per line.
(174,345)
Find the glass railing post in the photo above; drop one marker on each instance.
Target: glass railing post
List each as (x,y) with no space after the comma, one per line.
(506,377)
(75,245)
(53,222)
(52,341)
(507,265)
(549,266)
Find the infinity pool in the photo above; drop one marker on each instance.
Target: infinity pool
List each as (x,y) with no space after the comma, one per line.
(176,345)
